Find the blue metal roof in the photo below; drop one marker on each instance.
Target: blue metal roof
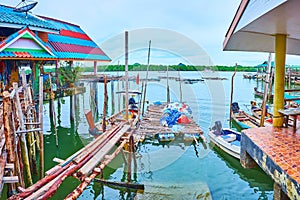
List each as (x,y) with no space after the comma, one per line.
(64,25)
(7,15)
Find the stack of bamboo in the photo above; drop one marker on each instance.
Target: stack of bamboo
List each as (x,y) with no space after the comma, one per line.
(21,141)
(85,165)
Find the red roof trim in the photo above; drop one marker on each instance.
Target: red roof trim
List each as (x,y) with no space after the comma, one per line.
(2,44)
(73,34)
(61,47)
(22,54)
(26,29)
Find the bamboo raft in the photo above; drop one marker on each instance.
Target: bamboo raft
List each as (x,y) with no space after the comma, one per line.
(150,125)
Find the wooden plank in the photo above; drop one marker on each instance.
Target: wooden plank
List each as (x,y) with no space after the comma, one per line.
(114,184)
(93,162)
(9,166)
(10,179)
(28,131)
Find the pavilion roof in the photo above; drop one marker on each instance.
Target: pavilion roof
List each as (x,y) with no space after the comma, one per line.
(257,22)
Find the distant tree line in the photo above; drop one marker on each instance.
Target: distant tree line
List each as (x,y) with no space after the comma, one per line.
(136,67)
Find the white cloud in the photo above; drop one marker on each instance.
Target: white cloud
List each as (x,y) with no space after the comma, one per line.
(203,21)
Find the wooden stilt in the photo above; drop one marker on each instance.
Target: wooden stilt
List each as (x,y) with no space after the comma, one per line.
(104,105)
(112,97)
(129,161)
(9,134)
(144,87)
(23,140)
(71,109)
(231,95)
(41,136)
(126,74)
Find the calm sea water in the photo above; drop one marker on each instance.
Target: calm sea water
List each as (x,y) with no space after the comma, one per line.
(202,169)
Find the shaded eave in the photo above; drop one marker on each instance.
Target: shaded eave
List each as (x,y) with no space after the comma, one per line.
(33,28)
(259,34)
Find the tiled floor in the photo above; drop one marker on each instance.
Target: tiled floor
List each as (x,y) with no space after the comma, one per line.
(282,145)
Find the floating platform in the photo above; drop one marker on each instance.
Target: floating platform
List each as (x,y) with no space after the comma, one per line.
(277,152)
(150,125)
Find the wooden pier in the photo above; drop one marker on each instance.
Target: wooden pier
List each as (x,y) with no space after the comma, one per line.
(150,125)
(277,152)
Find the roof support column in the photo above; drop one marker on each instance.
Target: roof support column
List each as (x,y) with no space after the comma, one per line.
(280,54)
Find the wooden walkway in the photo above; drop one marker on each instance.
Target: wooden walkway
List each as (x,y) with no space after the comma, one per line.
(150,125)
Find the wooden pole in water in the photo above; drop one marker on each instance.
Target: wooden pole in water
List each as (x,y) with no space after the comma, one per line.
(271,83)
(168,88)
(129,160)
(112,87)
(180,87)
(263,114)
(23,139)
(144,87)
(8,131)
(126,73)
(42,169)
(104,105)
(95,67)
(231,95)
(53,110)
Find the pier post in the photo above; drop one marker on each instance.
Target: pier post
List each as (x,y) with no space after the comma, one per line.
(71,109)
(280,52)
(112,97)
(246,160)
(41,136)
(278,193)
(95,67)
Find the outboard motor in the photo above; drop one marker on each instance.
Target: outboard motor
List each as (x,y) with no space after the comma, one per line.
(218,126)
(235,107)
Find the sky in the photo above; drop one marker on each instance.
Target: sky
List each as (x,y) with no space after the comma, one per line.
(190,31)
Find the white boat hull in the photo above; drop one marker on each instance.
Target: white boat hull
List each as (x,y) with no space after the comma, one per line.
(229,148)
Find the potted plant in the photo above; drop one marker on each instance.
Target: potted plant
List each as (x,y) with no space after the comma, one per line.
(69,75)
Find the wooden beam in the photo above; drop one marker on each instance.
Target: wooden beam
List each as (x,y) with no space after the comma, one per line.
(10,179)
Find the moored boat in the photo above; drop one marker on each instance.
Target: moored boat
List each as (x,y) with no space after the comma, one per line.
(261,94)
(257,112)
(226,139)
(243,120)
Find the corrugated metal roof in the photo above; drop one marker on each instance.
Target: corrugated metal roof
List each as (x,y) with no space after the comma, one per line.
(71,40)
(25,55)
(60,47)
(7,15)
(71,43)
(81,56)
